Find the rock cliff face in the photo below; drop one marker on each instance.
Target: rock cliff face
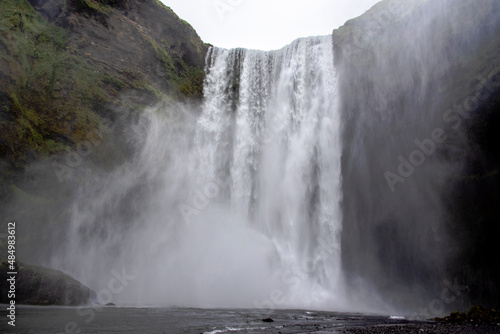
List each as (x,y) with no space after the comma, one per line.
(70,68)
(406,69)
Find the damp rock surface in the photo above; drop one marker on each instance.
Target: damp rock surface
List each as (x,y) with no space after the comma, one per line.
(35,285)
(437,328)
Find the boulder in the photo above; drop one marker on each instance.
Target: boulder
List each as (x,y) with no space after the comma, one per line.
(35,285)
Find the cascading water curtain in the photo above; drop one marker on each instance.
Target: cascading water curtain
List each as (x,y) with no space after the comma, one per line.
(238,206)
(270,129)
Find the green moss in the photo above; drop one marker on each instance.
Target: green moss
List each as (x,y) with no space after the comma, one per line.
(100,6)
(51,146)
(56,97)
(191,85)
(115,82)
(163,55)
(53,91)
(146,87)
(183,80)
(27,122)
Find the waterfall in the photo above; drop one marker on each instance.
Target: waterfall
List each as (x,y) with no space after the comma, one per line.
(236,206)
(270,129)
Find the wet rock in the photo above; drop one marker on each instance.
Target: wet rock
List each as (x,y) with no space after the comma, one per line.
(475,315)
(36,285)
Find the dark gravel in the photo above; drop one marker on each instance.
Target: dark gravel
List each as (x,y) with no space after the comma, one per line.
(424,328)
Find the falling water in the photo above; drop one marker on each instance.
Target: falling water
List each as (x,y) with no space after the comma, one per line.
(236,206)
(270,127)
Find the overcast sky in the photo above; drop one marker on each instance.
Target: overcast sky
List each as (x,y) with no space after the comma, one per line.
(265,24)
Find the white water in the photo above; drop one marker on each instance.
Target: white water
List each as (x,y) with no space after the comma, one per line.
(277,143)
(239,206)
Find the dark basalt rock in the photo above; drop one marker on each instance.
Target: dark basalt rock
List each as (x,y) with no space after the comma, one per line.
(475,315)
(35,285)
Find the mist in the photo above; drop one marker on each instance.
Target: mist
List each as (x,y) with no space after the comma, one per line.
(316,176)
(405,108)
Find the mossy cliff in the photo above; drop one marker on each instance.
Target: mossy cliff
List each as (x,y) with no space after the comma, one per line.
(70,68)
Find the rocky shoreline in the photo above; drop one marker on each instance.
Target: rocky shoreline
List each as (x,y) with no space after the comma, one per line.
(244,321)
(408,328)
(424,328)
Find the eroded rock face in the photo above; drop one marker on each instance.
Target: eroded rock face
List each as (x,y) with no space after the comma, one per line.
(403,66)
(71,68)
(36,285)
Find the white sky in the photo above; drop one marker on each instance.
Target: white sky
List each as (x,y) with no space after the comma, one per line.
(265,24)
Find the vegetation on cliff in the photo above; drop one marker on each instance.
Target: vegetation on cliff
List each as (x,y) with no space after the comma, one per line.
(70,68)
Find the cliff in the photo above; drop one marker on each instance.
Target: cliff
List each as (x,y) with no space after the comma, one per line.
(418,211)
(71,69)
